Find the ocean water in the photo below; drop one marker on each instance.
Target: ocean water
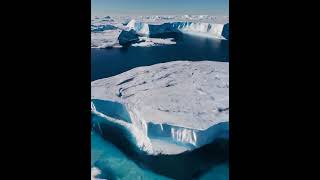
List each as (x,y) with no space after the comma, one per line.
(112,152)
(110,62)
(114,164)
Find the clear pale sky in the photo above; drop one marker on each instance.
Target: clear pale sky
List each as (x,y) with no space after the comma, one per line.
(159,7)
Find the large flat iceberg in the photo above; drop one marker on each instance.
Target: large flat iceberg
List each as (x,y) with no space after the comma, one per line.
(213,30)
(182,104)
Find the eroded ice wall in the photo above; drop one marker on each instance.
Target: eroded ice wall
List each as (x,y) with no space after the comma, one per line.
(206,29)
(180,102)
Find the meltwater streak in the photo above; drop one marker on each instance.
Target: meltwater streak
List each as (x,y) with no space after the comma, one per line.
(184,166)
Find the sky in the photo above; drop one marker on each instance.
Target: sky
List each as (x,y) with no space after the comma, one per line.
(159,7)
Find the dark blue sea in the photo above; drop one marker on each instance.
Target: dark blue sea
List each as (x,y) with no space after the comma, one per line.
(115,158)
(110,62)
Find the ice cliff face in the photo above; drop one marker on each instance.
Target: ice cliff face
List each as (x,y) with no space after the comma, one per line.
(139,27)
(128,37)
(225,31)
(175,104)
(206,29)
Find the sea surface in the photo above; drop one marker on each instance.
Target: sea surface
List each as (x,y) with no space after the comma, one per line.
(110,62)
(117,160)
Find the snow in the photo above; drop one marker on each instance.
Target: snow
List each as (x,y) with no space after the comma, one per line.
(165,146)
(140,27)
(181,103)
(104,39)
(148,42)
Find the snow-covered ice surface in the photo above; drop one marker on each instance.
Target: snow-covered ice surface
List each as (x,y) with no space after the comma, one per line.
(182,104)
(106,38)
(105,30)
(147,42)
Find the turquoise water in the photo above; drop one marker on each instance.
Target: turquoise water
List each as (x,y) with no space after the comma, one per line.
(220,172)
(112,109)
(111,148)
(112,145)
(114,164)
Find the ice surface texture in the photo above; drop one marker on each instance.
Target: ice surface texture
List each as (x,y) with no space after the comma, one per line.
(181,102)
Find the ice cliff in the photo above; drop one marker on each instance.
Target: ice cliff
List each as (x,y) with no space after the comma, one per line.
(126,38)
(214,30)
(167,106)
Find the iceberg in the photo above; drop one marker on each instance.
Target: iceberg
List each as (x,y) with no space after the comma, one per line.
(105,30)
(166,108)
(100,28)
(139,27)
(128,37)
(105,39)
(225,31)
(214,30)
(148,42)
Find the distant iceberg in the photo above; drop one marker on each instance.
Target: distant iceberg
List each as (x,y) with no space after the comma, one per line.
(213,30)
(100,28)
(105,30)
(139,27)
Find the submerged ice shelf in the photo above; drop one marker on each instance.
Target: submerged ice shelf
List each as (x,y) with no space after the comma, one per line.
(108,162)
(182,104)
